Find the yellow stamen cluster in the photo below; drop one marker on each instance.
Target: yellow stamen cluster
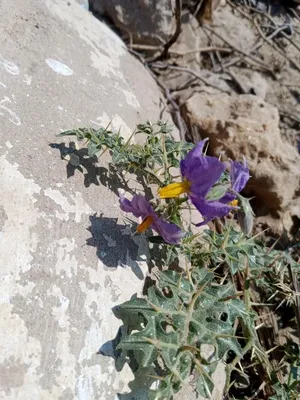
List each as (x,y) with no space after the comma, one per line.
(174,190)
(234,203)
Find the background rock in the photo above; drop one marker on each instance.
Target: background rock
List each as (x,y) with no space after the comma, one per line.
(144,21)
(245,125)
(67,254)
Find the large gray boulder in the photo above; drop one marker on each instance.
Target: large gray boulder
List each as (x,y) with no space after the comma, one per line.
(67,256)
(141,21)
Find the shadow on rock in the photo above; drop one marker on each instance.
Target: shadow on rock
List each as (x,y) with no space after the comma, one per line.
(143,377)
(140,386)
(142,382)
(79,160)
(109,349)
(114,243)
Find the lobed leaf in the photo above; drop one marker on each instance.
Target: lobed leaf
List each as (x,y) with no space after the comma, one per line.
(180,315)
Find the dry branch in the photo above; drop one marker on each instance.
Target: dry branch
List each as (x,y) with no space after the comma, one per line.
(164,54)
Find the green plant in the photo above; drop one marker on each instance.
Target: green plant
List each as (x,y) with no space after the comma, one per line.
(148,157)
(179,315)
(228,280)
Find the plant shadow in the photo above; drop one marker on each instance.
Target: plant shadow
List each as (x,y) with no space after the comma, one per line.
(79,160)
(115,245)
(143,377)
(107,236)
(112,178)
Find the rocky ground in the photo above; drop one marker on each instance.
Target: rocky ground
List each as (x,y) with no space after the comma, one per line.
(224,70)
(231,75)
(230,71)
(67,257)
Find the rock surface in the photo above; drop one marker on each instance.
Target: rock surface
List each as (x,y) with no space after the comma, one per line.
(247,126)
(144,21)
(67,255)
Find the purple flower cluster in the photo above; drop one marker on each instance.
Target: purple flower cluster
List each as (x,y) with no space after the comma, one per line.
(200,178)
(200,174)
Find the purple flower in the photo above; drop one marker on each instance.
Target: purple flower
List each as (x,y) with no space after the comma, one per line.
(239,176)
(140,207)
(200,173)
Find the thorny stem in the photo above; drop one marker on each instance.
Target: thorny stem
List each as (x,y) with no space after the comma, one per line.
(247,333)
(188,271)
(154,176)
(225,239)
(190,310)
(202,371)
(163,143)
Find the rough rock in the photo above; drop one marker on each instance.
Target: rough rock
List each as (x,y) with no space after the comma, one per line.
(191,39)
(228,25)
(67,254)
(143,21)
(247,126)
(252,82)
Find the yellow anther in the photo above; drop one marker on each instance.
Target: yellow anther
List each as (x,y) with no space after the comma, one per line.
(174,190)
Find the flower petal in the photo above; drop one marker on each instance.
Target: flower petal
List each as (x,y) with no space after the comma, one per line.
(227,198)
(239,175)
(203,173)
(211,209)
(170,232)
(140,202)
(195,153)
(126,206)
(138,206)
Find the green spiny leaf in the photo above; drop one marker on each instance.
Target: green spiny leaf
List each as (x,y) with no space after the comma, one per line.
(145,352)
(179,316)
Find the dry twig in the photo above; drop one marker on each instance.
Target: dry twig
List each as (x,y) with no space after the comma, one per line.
(290,115)
(275,47)
(176,108)
(236,80)
(296,288)
(261,387)
(191,72)
(244,53)
(144,46)
(278,29)
(203,50)
(164,54)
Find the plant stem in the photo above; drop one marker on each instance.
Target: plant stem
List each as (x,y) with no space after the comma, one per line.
(190,310)
(166,164)
(152,174)
(248,333)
